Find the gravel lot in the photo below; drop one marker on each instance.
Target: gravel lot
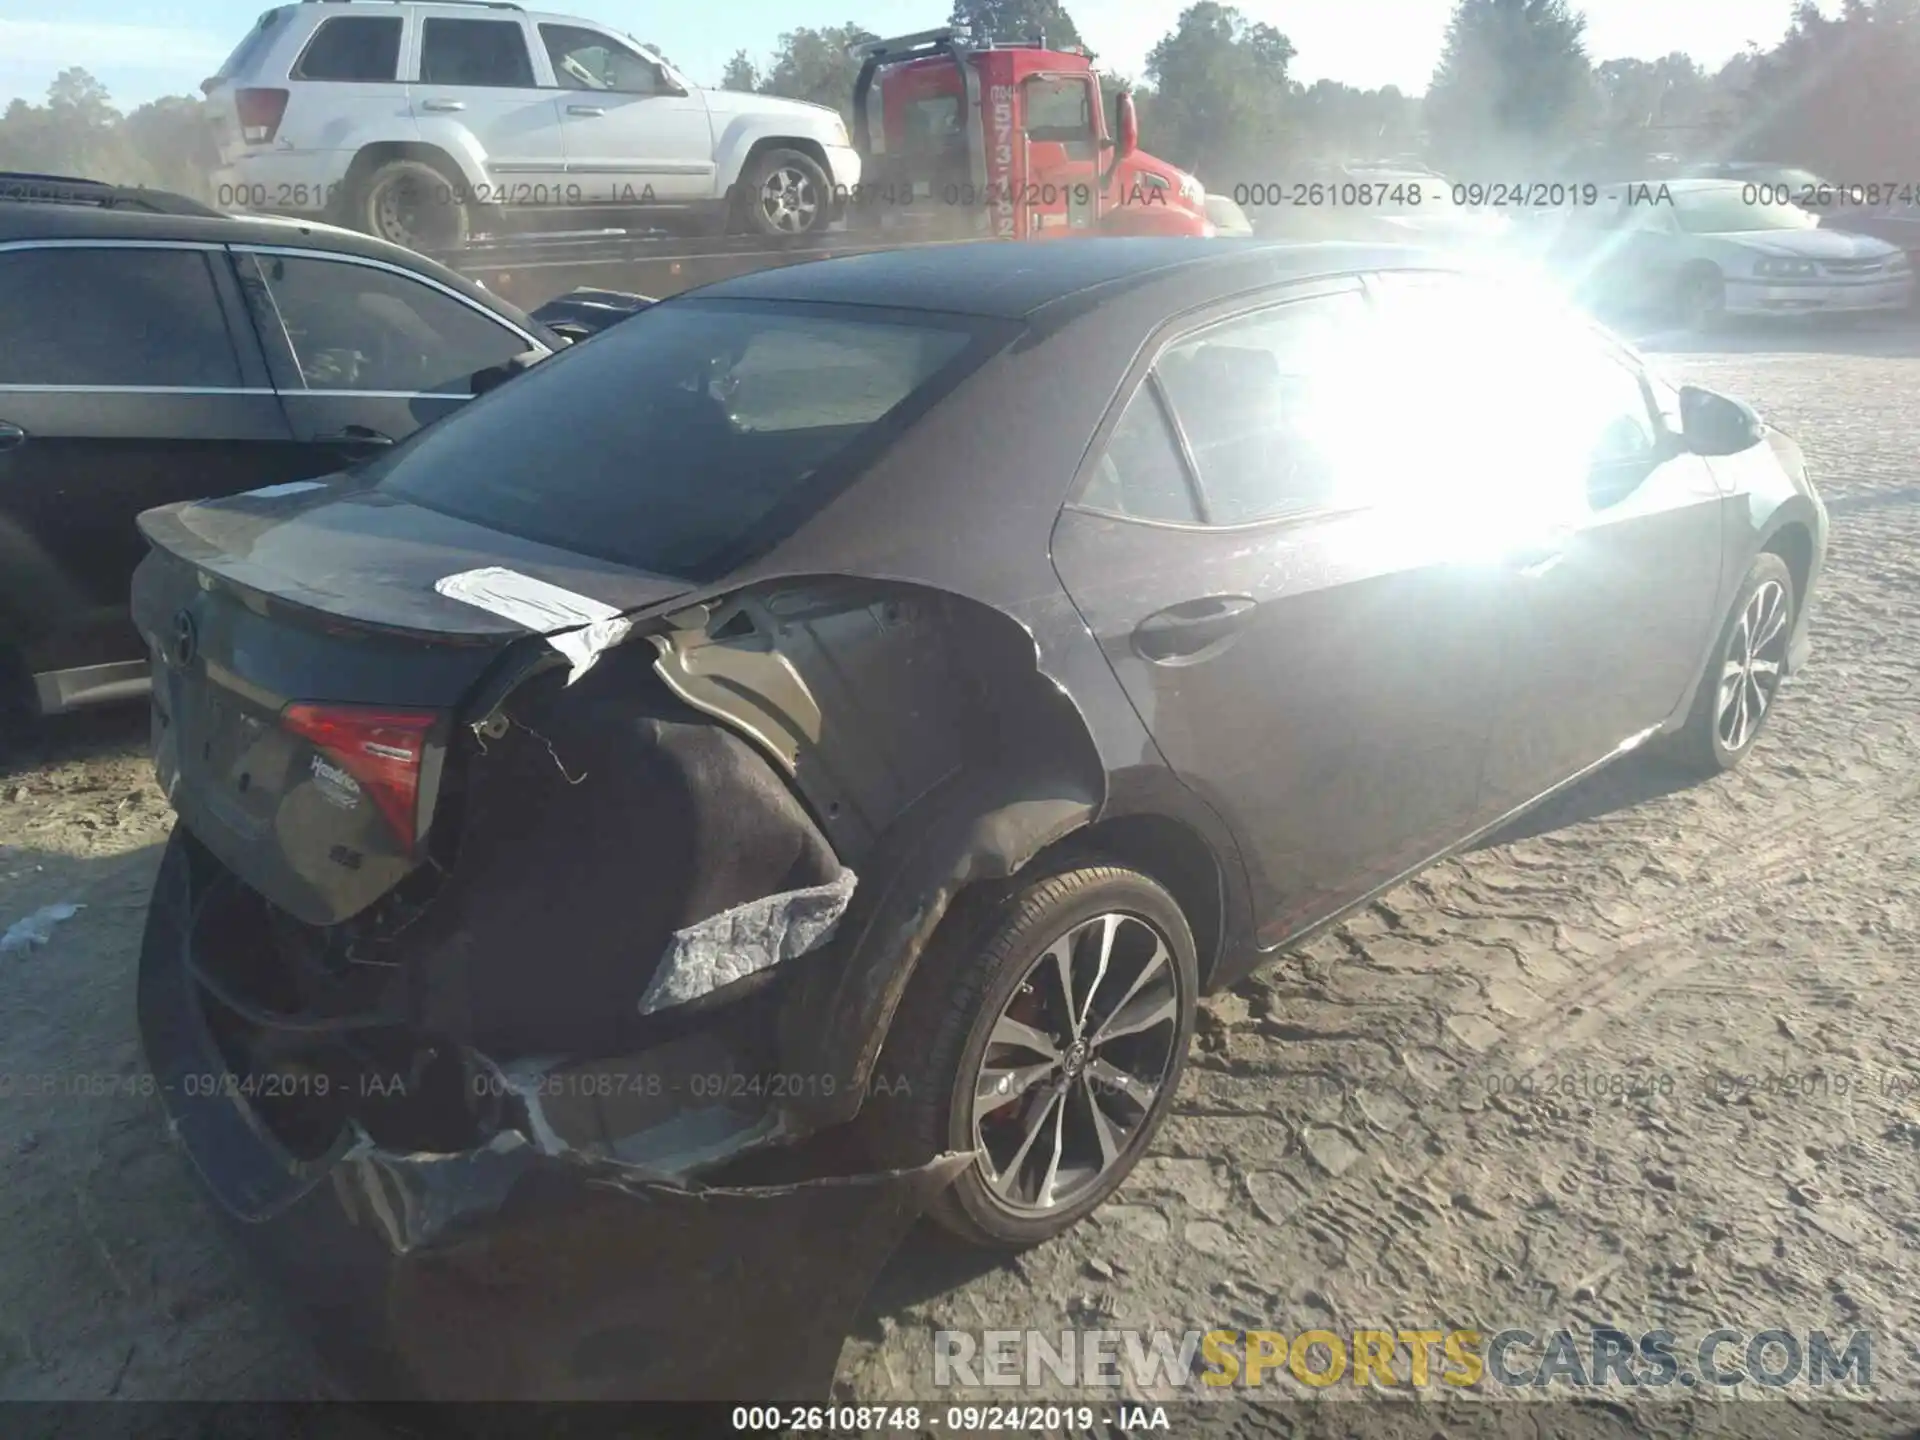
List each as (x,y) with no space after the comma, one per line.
(1358,1143)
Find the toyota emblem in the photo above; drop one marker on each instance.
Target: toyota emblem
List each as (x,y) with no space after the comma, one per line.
(186,639)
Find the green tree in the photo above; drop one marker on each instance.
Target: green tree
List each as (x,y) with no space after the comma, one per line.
(1018,21)
(740,73)
(818,66)
(1514,90)
(1221,98)
(1837,94)
(167,143)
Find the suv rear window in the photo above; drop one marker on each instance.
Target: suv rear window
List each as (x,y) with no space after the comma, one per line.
(692,436)
(248,50)
(352,47)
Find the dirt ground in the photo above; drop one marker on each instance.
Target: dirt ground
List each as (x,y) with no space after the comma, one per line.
(1414,1123)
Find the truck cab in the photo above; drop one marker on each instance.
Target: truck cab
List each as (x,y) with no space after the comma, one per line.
(1012,142)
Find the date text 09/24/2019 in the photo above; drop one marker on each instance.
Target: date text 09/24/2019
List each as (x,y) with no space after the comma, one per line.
(968,1419)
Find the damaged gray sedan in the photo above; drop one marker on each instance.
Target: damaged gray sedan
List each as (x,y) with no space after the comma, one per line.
(796,761)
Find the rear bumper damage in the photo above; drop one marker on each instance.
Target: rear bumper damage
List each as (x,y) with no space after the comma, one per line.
(561,1251)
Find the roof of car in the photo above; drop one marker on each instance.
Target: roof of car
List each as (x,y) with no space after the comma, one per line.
(52,219)
(1013,281)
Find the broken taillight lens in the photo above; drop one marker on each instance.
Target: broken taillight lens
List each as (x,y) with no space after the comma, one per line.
(260,112)
(381,749)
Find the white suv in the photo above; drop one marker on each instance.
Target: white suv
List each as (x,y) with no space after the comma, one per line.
(424,123)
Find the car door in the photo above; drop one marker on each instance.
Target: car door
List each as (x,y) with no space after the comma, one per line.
(1309,656)
(632,135)
(129,377)
(364,353)
(477,76)
(1612,580)
(1062,191)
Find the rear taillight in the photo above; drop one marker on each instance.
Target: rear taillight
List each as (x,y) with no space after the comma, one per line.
(260,112)
(383,750)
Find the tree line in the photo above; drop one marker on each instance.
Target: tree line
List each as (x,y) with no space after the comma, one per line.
(1516,95)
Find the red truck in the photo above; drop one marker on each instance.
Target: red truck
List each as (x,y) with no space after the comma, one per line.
(958,141)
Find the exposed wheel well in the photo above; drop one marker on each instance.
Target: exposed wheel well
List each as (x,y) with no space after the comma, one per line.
(1171,853)
(374,156)
(1794,546)
(812,149)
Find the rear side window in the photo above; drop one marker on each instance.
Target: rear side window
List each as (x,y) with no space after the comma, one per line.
(354,327)
(112,317)
(1260,399)
(690,436)
(1140,475)
(475,52)
(352,47)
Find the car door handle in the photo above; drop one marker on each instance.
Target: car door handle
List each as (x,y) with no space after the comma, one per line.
(586,109)
(443,106)
(1182,632)
(355,435)
(12,437)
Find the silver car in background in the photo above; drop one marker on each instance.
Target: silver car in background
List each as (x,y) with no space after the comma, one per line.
(1700,249)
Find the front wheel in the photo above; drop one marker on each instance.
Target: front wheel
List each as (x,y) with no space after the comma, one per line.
(1048,1036)
(1701,298)
(785,192)
(1743,678)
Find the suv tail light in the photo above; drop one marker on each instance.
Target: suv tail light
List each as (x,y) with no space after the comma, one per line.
(384,750)
(260,112)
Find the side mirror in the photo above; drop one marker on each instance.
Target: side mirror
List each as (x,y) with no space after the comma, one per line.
(1713,424)
(571,331)
(1129,126)
(494,376)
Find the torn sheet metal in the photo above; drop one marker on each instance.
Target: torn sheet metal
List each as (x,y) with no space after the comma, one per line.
(589,626)
(746,940)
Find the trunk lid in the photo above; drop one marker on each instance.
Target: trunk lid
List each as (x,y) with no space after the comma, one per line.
(307,676)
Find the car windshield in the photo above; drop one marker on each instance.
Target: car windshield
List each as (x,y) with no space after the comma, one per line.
(1729,212)
(690,436)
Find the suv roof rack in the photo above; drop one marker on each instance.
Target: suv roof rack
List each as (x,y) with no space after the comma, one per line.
(480,4)
(27,187)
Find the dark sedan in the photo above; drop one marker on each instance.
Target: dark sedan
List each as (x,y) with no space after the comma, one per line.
(875,699)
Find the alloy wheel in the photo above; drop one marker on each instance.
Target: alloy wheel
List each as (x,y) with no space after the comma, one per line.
(1751,668)
(788,200)
(1075,1061)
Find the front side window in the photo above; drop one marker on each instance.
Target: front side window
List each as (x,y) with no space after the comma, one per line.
(588,60)
(352,47)
(112,317)
(475,52)
(1059,110)
(1261,400)
(355,327)
(689,436)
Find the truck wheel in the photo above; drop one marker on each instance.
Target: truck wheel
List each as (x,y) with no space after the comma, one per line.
(785,192)
(412,203)
(1047,1031)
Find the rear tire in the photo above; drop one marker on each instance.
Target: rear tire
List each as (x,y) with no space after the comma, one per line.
(1735,698)
(993,971)
(410,202)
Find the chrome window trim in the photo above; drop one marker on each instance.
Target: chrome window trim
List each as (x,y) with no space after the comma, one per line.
(136,390)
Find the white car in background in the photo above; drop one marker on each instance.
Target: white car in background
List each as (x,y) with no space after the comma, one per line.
(424,123)
(1707,248)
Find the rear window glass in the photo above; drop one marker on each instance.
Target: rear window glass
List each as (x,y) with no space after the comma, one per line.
(691,436)
(353,47)
(248,50)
